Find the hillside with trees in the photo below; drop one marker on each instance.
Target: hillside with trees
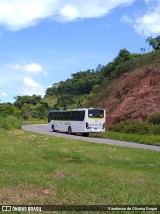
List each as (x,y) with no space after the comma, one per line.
(135,94)
(75,92)
(128,88)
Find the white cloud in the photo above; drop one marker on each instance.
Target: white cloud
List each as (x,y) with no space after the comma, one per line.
(151,1)
(126,19)
(69,13)
(32,68)
(18,14)
(29,68)
(32,87)
(149,23)
(2,93)
(31,83)
(14,66)
(49,86)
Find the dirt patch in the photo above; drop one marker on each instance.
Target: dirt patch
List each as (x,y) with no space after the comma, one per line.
(60,173)
(46,138)
(21,195)
(67,159)
(32,136)
(16,132)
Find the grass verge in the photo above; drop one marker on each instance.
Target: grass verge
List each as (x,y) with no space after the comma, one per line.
(40,169)
(137,138)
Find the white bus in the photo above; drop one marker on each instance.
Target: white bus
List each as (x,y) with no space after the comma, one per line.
(82,121)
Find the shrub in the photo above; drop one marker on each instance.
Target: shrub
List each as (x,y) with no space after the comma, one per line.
(9,123)
(135,128)
(155,119)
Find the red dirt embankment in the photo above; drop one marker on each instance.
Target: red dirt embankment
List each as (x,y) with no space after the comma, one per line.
(136,96)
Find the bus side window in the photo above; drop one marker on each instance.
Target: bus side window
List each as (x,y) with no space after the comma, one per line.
(55,116)
(75,115)
(60,115)
(71,115)
(66,115)
(82,115)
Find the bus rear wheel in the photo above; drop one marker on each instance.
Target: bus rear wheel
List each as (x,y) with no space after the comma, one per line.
(86,134)
(53,128)
(69,130)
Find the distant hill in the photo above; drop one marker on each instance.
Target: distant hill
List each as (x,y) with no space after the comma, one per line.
(78,90)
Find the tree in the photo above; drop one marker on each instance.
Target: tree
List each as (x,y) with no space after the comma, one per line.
(21,100)
(154,42)
(64,102)
(99,67)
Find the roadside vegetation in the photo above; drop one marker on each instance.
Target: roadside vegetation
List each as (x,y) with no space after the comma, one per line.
(137,138)
(10,123)
(136,128)
(85,89)
(40,169)
(139,132)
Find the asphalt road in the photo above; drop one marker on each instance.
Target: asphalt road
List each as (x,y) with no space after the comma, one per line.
(43,129)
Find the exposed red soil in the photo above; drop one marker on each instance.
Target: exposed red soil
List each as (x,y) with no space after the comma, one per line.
(136,97)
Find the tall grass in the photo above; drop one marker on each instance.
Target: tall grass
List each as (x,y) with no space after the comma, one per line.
(10,122)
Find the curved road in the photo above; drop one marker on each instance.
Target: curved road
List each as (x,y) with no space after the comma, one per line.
(43,129)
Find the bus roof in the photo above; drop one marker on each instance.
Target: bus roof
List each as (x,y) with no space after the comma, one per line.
(80,109)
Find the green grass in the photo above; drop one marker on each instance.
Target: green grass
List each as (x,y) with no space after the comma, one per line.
(137,138)
(40,169)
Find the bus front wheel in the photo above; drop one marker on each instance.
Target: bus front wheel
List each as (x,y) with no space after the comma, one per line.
(69,130)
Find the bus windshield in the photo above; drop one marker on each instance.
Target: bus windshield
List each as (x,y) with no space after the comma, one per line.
(96,113)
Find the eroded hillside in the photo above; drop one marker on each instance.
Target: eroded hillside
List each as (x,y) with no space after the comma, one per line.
(134,96)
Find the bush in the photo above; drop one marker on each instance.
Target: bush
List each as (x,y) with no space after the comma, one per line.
(10,123)
(135,128)
(155,119)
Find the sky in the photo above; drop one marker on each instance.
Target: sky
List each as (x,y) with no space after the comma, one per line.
(43,42)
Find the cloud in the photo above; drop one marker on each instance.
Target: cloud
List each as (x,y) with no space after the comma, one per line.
(29,68)
(32,68)
(126,19)
(2,93)
(14,66)
(31,83)
(18,14)
(32,87)
(148,22)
